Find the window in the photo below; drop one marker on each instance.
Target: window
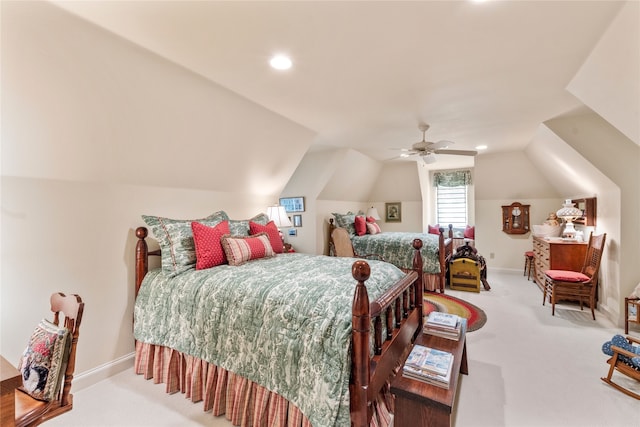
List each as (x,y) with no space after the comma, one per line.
(451,206)
(451,197)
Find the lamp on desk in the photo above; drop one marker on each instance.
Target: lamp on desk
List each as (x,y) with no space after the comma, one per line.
(373,213)
(279,216)
(568,213)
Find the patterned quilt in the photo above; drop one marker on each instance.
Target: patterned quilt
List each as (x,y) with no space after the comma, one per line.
(396,248)
(282,322)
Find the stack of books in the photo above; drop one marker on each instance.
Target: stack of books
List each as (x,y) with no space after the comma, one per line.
(444,325)
(429,365)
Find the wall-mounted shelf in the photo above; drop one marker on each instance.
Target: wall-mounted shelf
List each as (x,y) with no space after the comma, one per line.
(588,207)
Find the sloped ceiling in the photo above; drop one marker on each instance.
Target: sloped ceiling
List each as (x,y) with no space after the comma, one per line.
(365,73)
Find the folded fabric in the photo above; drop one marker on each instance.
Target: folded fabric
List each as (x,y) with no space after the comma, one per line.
(620,341)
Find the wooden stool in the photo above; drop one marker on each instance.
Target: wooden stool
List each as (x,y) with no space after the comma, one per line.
(528,264)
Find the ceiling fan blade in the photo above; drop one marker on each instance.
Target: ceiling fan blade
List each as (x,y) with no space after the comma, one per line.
(457,152)
(440,145)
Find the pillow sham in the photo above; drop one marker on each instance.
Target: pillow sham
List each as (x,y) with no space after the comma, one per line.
(434,229)
(240,227)
(175,238)
(360,224)
(373,228)
(470,232)
(272,232)
(240,249)
(346,221)
(207,240)
(41,364)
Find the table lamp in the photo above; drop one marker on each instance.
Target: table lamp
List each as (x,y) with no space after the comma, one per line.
(568,213)
(279,216)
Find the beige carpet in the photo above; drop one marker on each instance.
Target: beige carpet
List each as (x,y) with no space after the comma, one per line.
(526,368)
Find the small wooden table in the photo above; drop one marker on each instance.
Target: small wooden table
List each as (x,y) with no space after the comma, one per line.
(419,404)
(10,380)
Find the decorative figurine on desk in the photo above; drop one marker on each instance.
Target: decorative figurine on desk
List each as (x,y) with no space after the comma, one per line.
(552,219)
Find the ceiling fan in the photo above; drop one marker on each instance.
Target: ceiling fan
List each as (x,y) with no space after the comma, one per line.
(427,150)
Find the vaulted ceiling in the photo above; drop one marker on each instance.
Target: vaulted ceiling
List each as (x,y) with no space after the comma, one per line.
(366,73)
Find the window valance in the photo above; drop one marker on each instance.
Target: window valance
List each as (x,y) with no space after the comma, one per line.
(452,178)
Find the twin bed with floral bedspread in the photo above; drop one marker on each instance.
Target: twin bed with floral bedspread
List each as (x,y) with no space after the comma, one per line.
(395,248)
(283,339)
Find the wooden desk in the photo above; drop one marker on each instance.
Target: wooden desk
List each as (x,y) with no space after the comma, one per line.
(419,404)
(10,380)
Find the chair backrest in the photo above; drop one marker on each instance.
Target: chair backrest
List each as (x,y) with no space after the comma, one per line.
(594,255)
(72,307)
(342,243)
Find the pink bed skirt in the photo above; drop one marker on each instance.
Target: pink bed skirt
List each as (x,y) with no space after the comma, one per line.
(243,402)
(430,281)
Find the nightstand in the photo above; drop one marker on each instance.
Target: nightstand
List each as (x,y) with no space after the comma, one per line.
(631,312)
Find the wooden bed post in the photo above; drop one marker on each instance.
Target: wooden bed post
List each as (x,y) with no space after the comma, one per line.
(361,410)
(419,285)
(142,256)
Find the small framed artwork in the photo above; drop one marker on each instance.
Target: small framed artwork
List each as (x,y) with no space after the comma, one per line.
(293,232)
(393,212)
(292,204)
(297,220)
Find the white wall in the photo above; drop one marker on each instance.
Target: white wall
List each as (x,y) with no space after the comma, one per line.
(501,179)
(608,80)
(96,132)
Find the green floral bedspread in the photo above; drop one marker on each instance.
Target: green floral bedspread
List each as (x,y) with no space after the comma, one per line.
(290,318)
(397,248)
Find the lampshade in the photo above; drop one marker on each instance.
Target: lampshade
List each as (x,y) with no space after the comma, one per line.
(373,212)
(569,212)
(278,215)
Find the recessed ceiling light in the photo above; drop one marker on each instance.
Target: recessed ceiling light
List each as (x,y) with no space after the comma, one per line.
(280,62)
(481,147)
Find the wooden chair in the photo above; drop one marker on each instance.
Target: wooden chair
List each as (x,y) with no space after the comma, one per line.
(580,285)
(32,412)
(342,246)
(626,367)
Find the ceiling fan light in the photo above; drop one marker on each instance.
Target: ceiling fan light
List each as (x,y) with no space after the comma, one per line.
(429,158)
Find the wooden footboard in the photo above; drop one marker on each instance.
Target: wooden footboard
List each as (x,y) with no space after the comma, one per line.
(400,307)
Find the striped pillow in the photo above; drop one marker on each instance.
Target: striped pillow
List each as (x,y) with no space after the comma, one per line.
(240,249)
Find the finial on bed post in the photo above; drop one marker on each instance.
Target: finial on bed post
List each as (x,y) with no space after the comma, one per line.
(142,256)
(361,327)
(419,287)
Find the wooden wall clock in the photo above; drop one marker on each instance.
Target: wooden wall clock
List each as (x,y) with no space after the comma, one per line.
(515,218)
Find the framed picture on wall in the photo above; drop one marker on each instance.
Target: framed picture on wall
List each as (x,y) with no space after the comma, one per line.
(297,220)
(393,212)
(292,204)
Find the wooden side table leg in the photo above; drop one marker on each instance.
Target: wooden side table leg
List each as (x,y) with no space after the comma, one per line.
(464,368)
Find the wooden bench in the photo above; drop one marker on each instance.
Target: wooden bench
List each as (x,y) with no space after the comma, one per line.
(419,404)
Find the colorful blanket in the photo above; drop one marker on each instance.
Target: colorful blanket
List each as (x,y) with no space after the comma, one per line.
(282,322)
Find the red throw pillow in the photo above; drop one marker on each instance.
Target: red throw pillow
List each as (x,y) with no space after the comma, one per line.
(272,231)
(371,219)
(434,229)
(209,252)
(567,276)
(361,225)
(470,232)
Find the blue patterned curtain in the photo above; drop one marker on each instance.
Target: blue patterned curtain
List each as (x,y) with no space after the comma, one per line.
(452,178)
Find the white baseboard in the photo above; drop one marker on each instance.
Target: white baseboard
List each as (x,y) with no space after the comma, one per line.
(102,372)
